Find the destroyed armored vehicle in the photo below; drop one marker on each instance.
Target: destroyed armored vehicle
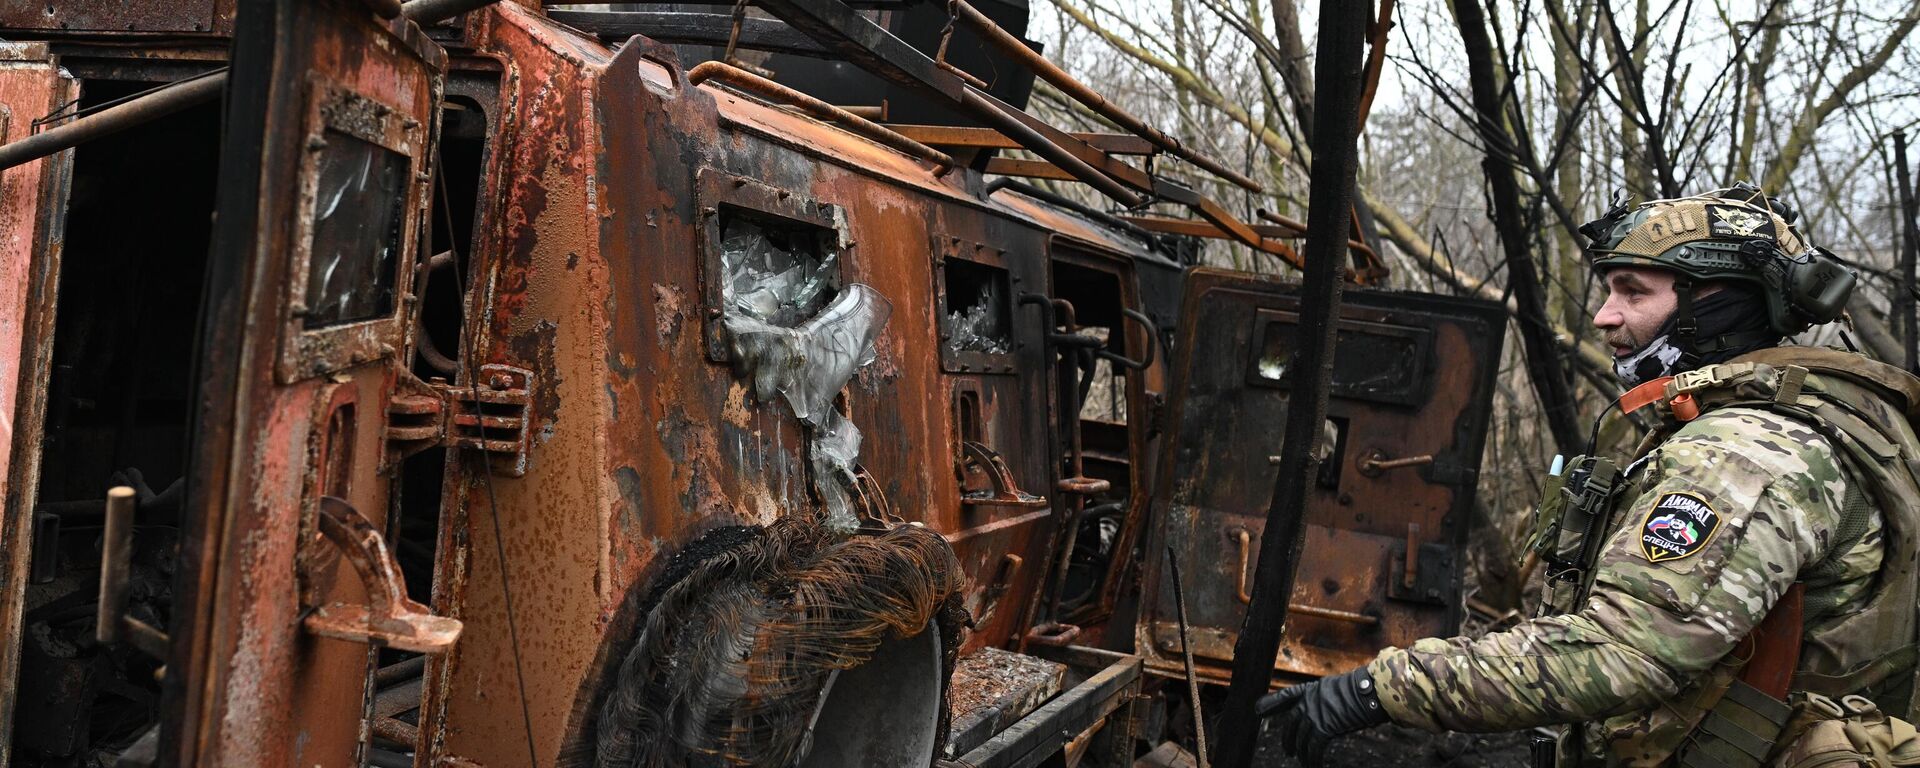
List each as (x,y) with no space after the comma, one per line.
(468,384)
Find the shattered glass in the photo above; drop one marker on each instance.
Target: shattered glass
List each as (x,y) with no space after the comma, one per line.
(773,275)
(807,366)
(979,327)
(810,363)
(836,444)
(359,192)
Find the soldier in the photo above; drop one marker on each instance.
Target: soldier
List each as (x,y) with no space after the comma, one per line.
(1777,475)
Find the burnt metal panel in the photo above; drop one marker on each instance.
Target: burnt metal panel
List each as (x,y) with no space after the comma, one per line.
(265,690)
(1386,521)
(32,211)
(594,269)
(119,16)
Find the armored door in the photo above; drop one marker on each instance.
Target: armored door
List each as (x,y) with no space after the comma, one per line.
(32,202)
(290,589)
(1386,518)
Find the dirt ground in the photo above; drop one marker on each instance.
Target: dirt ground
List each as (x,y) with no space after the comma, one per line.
(1392,746)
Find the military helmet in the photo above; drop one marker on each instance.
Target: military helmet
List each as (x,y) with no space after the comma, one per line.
(1736,235)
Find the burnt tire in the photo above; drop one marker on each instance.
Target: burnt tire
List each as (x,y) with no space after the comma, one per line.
(748,630)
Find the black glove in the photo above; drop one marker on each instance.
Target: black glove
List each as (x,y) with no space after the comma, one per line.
(1310,715)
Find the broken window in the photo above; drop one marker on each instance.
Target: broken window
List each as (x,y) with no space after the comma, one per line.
(1373,361)
(780,274)
(977,314)
(794,334)
(358,212)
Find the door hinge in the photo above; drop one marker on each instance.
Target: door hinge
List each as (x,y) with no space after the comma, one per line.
(489,416)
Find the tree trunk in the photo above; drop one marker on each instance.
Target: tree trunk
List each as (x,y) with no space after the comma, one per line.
(1545,365)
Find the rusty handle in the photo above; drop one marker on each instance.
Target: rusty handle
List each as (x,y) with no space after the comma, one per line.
(112,625)
(115,561)
(1377,462)
(1052,634)
(768,89)
(1246,557)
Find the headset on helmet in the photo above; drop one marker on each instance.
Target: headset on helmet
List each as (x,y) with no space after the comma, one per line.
(1735,234)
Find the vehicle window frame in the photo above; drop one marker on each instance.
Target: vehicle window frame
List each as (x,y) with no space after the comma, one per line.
(949,248)
(309,352)
(715,189)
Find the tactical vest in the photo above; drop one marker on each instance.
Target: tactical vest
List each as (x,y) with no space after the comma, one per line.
(1865,409)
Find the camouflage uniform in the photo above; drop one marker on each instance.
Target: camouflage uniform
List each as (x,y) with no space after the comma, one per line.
(1642,660)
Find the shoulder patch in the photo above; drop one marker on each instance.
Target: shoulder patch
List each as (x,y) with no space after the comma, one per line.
(1679,525)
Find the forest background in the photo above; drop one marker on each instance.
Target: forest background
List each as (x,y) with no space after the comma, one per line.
(1498,128)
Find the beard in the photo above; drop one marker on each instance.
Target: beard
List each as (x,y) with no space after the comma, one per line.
(1621,338)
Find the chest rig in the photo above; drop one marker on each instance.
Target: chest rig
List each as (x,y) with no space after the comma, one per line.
(1864,409)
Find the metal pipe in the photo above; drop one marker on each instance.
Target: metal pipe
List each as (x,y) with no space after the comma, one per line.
(424,12)
(1012,46)
(115,561)
(1186,657)
(986,110)
(1070,204)
(179,96)
(166,101)
(768,89)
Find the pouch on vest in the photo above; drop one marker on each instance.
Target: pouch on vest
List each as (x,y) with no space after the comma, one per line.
(1571,531)
(1825,733)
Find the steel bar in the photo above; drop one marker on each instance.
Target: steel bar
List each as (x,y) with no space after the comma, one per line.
(179,96)
(859,41)
(981,138)
(690,28)
(153,106)
(1028,169)
(1043,732)
(1046,70)
(1070,204)
(768,89)
(1240,591)
(1329,206)
(424,12)
(400,671)
(985,108)
(116,552)
(1268,238)
(1186,658)
(1357,245)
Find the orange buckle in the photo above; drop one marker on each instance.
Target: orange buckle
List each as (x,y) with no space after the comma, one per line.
(1644,395)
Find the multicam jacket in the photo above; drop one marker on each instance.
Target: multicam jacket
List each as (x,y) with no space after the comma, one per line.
(1712,526)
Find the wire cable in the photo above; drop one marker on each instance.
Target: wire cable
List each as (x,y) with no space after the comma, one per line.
(469,351)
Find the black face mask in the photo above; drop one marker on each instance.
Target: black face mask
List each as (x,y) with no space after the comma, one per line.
(1727,324)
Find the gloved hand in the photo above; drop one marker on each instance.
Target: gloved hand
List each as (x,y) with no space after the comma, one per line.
(1309,716)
